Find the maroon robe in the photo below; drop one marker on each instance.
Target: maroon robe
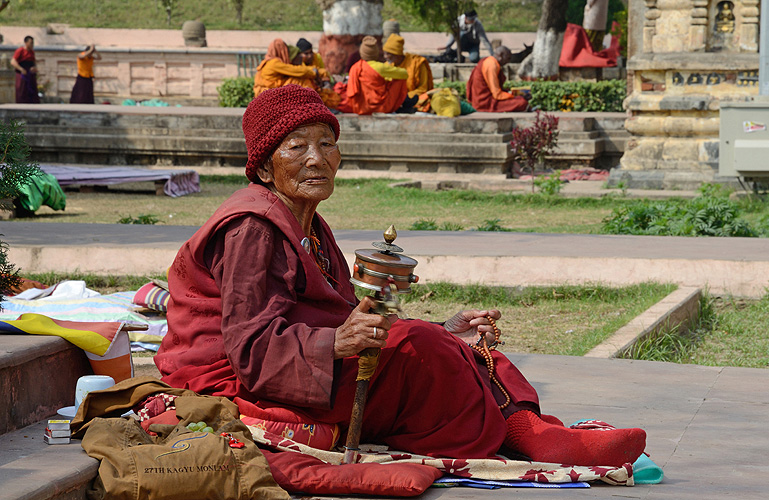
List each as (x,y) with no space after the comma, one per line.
(251,316)
(484,89)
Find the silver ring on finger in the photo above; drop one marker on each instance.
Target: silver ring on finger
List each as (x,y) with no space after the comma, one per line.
(376,333)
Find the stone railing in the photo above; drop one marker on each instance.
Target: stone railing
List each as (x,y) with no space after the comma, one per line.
(177,75)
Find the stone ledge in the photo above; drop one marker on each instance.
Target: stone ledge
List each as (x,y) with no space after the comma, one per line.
(33,470)
(27,396)
(678,310)
(694,61)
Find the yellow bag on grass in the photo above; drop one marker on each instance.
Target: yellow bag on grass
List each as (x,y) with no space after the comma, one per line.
(445,102)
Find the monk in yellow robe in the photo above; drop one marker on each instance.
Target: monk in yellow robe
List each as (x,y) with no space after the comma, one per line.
(374,86)
(420,78)
(283,66)
(309,57)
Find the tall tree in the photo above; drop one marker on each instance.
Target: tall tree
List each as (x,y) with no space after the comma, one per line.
(543,61)
(238,4)
(439,15)
(168,5)
(345,23)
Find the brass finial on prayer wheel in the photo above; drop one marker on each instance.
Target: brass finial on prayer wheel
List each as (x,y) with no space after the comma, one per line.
(390,234)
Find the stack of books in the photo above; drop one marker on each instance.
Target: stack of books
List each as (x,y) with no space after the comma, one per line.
(57,432)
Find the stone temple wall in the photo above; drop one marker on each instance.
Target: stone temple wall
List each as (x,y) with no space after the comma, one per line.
(692,55)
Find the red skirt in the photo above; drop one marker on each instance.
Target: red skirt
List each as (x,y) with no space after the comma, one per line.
(82,92)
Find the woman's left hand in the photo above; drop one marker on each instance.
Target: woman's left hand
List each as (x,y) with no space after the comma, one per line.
(468,324)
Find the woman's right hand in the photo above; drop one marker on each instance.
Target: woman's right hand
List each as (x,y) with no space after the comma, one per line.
(359,330)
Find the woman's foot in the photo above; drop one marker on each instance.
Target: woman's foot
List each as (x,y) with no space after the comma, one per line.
(541,441)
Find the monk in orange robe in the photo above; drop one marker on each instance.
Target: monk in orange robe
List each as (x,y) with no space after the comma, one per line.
(420,78)
(484,89)
(373,86)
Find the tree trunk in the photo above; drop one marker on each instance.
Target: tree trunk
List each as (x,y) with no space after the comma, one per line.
(458,37)
(345,23)
(239,14)
(543,61)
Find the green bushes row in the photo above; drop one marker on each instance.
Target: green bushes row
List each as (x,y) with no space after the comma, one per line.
(236,92)
(605,95)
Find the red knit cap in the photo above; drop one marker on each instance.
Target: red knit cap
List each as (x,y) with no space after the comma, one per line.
(274,114)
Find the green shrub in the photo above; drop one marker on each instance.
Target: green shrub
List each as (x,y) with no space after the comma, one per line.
(460,87)
(141,219)
(549,185)
(604,96)
(706,215)
(424,225)
(236,92)
(492,225)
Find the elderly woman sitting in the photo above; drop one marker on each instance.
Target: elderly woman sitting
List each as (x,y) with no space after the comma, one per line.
(262,309)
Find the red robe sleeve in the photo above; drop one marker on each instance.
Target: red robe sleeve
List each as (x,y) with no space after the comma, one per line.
(258,274)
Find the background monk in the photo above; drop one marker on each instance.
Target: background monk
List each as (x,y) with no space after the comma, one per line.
(420,78)
(262,310)
(309,57)
(82,92)
(484,88)
(284,67)
(23,62)
(373,86)
(277,69)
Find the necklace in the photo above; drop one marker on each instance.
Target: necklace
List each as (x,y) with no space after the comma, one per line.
(321,261)
(485,350)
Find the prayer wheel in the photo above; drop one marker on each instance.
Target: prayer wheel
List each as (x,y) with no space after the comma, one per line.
(375,269)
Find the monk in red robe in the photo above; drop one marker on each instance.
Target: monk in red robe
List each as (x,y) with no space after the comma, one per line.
(484,88)
(23,61)
(373,86)
(262,309)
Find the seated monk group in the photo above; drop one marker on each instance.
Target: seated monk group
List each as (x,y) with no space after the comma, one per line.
(285,65)
(484,88)
(374,86)
(262,311)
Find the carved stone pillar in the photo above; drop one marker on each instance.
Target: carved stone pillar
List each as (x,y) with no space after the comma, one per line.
(698,31)
(650,25)
(749,29)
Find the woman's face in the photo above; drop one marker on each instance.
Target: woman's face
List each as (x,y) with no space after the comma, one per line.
(303,167)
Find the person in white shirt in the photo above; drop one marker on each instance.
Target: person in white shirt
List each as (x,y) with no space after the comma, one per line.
(471,34)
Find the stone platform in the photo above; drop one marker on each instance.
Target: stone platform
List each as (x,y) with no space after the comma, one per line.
(186,136)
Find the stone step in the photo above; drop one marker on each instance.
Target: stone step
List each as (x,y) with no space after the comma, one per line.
(33,470)
(403,137)
(475,143)
(38,375)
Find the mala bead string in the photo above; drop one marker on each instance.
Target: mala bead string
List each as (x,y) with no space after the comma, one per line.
(485,350)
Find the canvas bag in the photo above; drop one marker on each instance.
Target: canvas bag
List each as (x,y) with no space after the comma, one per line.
(178,463)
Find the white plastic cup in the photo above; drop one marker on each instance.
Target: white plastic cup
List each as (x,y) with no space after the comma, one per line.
(90,383)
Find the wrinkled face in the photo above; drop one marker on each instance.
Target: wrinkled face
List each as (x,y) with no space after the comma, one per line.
(307,57)
(303,167)
(393,58)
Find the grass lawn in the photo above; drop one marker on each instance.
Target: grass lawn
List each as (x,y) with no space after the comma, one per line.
(566,320)
(731,332)
(356,204)
(497,15)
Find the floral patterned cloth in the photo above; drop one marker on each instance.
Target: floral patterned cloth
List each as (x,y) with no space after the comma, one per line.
(491,468)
